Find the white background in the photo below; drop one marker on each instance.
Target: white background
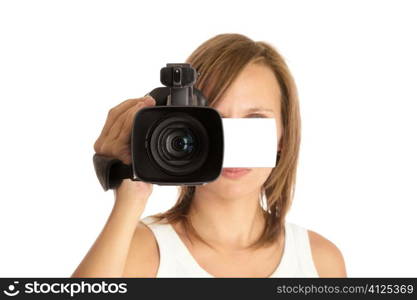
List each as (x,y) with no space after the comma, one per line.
(64,64)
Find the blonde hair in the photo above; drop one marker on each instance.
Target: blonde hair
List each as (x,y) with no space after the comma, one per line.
(219,60)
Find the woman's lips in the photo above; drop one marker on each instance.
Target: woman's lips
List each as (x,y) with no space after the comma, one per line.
(234,173)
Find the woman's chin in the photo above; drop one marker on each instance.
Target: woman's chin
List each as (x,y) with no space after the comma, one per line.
(237,185)
(229,188)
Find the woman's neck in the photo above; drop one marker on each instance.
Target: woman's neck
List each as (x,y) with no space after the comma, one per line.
(227,223)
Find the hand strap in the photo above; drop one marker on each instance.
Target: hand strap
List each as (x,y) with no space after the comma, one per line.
(111,171)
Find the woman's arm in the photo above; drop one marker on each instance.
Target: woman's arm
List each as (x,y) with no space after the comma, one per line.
(107,257)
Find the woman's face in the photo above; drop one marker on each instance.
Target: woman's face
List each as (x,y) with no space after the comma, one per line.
(255,87)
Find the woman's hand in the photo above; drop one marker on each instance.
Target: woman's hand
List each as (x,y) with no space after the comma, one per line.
(114,141)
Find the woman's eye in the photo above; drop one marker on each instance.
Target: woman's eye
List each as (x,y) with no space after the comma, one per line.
(251,116)
(256,116)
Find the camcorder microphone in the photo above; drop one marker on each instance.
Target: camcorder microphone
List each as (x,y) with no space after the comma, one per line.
(179,141)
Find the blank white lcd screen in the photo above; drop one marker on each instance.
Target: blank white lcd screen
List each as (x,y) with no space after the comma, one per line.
(249,142)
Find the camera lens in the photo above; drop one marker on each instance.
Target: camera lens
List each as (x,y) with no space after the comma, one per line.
(178,144)
(183,143)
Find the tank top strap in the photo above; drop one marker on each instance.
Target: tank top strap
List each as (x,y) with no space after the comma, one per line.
(174,257)
(302,250)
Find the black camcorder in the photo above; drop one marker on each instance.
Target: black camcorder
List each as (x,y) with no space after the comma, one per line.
(179,141)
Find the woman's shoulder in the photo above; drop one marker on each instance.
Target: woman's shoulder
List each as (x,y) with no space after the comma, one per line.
(143,256)
(327,257)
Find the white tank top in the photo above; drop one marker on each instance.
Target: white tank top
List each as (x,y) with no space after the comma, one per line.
(175,260)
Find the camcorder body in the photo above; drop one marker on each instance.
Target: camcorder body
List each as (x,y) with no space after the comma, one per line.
(179,141)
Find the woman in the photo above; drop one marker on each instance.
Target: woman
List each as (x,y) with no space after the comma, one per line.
(234,226)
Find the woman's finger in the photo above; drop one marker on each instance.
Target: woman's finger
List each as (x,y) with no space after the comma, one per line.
(120,146)
(115,113)
(126,130)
